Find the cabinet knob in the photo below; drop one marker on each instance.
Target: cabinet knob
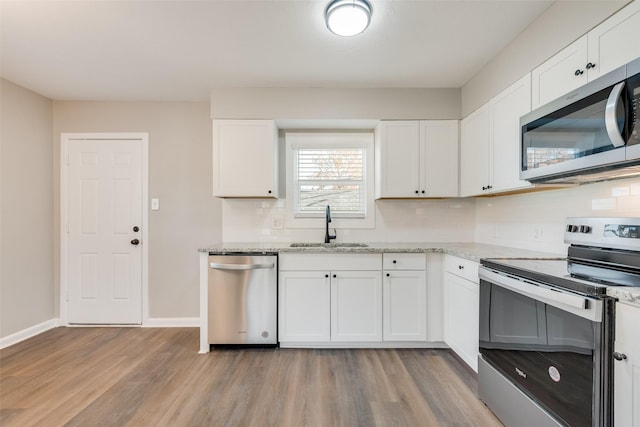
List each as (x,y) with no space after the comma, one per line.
(590,65)
(388,274)
(136,228)
(327,276)
(423,191)
(395,262)
(461,267)
(334,276)
(484,188)
(619,356)
(579,72)
(417,192)
(489,187)
(135,242)
(269,191)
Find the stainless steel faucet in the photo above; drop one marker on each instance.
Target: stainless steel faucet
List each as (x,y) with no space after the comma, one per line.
(328,237)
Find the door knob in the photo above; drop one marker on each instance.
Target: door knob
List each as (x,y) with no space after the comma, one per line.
(135,242)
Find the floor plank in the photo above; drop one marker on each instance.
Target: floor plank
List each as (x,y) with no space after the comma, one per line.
(154,377)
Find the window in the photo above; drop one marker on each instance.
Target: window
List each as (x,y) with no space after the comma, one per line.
(332,169)
(329,176)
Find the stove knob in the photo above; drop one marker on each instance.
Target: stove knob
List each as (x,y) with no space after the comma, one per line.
(572,228)
(585,229)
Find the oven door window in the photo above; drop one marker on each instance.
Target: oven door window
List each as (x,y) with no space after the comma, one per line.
(575,131)
(548,353)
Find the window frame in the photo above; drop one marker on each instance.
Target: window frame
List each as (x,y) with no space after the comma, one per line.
(341,140)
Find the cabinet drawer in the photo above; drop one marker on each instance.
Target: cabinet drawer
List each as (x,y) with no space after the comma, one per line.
(404,261)
(330,262)
(462,267)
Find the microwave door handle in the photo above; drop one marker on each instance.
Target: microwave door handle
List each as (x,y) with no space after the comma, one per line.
(610,119)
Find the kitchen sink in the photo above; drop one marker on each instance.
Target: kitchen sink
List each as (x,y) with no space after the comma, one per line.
(328,245)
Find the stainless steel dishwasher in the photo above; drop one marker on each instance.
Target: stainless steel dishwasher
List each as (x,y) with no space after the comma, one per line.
(242,301)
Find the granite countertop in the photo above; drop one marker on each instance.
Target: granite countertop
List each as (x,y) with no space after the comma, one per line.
(625,294)
(470,251)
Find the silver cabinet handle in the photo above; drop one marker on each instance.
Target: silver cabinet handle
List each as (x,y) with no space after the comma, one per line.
(610,116)
(217,266)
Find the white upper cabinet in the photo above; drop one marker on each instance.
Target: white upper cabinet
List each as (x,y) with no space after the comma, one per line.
(474,152)
(439,158)
(505,111)
(417,159)
(490,143)
(560,74)
(398,158)
(245,155)
(608,46)
(616,41)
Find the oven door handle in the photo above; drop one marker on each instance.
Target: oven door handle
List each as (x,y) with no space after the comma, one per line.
(563,300)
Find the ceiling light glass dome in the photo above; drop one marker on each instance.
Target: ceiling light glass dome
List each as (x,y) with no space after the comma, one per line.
(348,17)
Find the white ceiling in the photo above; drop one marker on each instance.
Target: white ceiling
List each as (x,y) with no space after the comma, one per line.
(179,50)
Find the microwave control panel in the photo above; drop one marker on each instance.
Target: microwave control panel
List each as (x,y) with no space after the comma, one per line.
(634,137)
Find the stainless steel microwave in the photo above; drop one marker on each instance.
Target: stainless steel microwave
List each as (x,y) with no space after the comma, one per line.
(590,134)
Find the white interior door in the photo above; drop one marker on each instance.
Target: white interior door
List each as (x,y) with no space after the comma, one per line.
(104,236)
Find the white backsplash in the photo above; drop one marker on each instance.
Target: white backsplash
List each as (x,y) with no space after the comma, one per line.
(536,220)
(250,220)
(528,221)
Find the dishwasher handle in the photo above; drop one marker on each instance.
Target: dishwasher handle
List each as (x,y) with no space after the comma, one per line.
(216,266)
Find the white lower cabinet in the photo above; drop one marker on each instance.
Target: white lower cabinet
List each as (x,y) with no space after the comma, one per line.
(356,306)
(627,371)
(304,306)
(461,308)
(404,296)
(327,298)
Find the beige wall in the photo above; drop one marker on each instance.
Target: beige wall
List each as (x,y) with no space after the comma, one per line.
(560,25)
(323,103)
(26,219)
(179,175)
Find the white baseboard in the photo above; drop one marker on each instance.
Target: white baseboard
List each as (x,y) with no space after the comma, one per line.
(27,333)
(171,322)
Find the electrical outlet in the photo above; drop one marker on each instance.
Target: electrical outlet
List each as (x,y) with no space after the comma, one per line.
(277,223)
(538,232)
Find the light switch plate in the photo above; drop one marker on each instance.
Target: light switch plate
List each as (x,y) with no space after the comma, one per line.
(155,204)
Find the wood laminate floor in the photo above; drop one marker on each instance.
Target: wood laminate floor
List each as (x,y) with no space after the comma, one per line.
(154,377)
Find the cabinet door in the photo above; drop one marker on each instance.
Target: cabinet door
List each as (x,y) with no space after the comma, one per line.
(245,158)
(404,306)
(356,306)
(505,112)
(461,324)
(439,158)
(627,372)
(304,308)
(398,159)
(557,75)
(615,42)
(474,153)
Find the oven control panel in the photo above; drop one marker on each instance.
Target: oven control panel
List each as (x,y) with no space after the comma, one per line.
(619,233)
(623,231)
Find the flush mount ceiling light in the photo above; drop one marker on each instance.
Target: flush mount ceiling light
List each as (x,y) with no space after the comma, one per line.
(348,17)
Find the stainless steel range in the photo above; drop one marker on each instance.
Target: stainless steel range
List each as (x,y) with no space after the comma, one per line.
(546,327)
